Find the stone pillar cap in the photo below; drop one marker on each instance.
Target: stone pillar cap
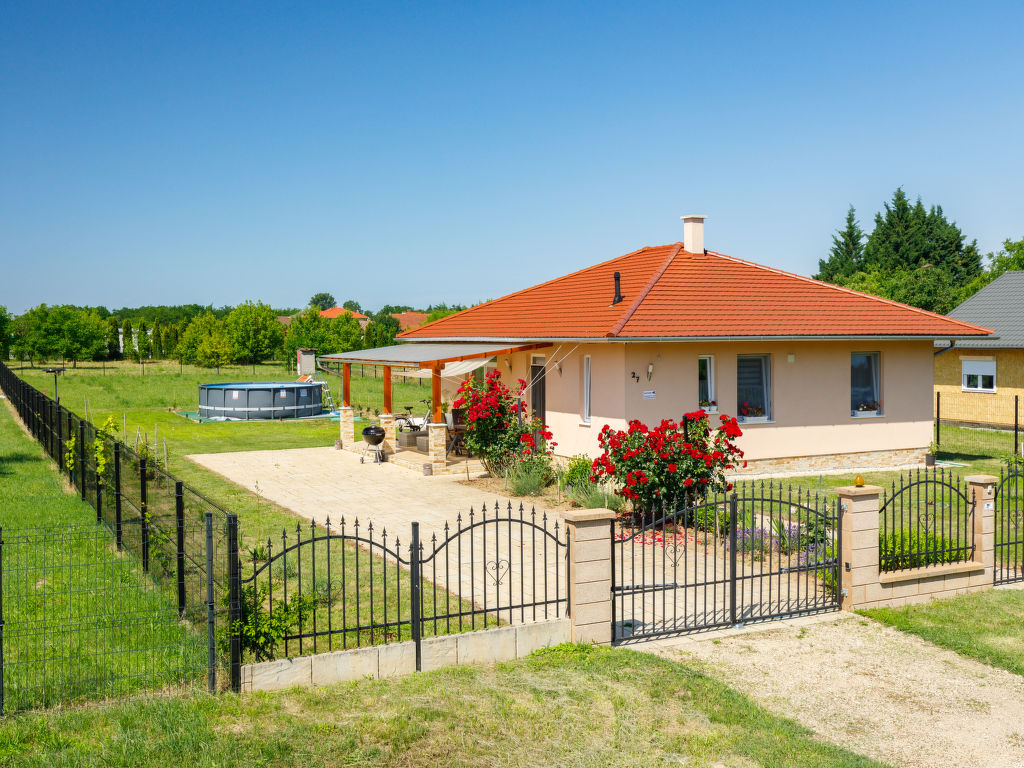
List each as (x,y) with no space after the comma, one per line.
(982,479)
(589,515)
(859,490)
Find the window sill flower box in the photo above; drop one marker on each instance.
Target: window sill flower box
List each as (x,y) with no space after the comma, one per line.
(864,414)
(753,419)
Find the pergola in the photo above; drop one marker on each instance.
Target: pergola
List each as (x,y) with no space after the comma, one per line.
(433,356)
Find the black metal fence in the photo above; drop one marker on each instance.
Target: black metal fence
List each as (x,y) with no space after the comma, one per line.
(925,519)
(973,425)
(765,551)
(178,540)
(348,585)
(1009,524)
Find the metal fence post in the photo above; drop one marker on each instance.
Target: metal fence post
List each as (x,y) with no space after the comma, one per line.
(211,640)
(71,432)
(81,457)
(117,495)
(938,419)
(60,439)
(1016,425)
(414,593)
(734,522)
(179,522)
(99,498)
(145,515)
(234,604)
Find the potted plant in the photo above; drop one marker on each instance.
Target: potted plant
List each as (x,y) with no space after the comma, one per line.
(929,458)
(750,412)
(710,406)
(867,408)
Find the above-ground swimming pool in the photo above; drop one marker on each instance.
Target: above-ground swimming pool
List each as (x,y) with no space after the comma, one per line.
(261,400)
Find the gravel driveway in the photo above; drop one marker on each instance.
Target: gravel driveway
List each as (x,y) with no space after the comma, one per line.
(870,688)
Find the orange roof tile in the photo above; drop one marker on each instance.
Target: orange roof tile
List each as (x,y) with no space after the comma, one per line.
(669,292)
(339,311)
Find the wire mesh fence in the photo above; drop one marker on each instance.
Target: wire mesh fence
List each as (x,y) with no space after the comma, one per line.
(140,601)
(977,425)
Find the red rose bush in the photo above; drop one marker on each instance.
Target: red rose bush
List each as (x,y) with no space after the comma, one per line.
(673,463)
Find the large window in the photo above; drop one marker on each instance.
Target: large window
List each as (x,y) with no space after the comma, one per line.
(753,387)
(978,375)
(706,382)
(586,389)
(865,384)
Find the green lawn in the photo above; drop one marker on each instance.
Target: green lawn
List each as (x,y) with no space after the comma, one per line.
(987,626)
(149,404)
(364,589)
(81,620)
(572,705)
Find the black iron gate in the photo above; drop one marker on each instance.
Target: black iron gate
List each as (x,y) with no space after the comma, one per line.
(1009,545)
(762,552)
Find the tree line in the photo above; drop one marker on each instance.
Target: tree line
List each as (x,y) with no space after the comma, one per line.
(247,334)
(914,255)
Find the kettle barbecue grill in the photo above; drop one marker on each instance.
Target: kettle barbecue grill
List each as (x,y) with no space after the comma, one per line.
(373,439)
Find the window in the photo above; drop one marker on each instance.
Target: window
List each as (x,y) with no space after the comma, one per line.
(978,375)
(753,387)
(586,389)
(865,392)
(706,382)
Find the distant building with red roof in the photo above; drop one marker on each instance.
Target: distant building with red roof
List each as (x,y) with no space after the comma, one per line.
(339,311)
(820,376)
(410,319)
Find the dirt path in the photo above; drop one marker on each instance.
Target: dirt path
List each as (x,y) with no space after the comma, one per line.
(872,689)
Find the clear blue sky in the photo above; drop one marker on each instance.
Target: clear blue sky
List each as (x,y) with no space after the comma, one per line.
(211,152)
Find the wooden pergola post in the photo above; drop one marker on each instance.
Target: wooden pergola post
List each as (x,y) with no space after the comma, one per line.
(346,388)
(435,394)
(387,389)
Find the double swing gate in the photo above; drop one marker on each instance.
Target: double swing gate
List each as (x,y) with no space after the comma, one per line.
(758,553)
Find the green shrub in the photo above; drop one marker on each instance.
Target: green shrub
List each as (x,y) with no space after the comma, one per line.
(528,478)
(912,549)
(596,496)
(715,519)
(577,472)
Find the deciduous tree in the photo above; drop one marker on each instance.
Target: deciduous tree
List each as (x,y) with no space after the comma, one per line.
(322,301)
(254,332)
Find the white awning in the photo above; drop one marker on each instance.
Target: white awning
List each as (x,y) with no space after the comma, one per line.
(450,370)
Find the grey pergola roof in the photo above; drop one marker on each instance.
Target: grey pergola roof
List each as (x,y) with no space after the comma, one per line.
(999,306)
(424,355)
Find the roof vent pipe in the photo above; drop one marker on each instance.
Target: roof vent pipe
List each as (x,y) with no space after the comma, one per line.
(618,290)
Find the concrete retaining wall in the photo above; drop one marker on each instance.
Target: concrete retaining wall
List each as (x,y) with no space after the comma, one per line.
(485,646)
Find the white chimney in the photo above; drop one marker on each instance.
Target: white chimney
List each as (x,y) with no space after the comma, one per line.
(693,233)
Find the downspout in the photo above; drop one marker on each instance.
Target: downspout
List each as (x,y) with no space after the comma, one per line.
(952,343)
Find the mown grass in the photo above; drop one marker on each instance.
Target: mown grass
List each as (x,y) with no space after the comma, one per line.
(571,705)
(352,588)
(81,620)
(149,404)
(987,626)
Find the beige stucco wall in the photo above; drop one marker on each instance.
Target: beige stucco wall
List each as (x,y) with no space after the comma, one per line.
(980,407)
(810,394)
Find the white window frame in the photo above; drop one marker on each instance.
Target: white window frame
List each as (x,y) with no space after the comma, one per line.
(977,367)
(711,383)
(587,370)
(878,386)
(767,361)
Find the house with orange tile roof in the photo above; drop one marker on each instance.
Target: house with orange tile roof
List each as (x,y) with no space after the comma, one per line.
(339,311)
(409,319)
(820,377)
